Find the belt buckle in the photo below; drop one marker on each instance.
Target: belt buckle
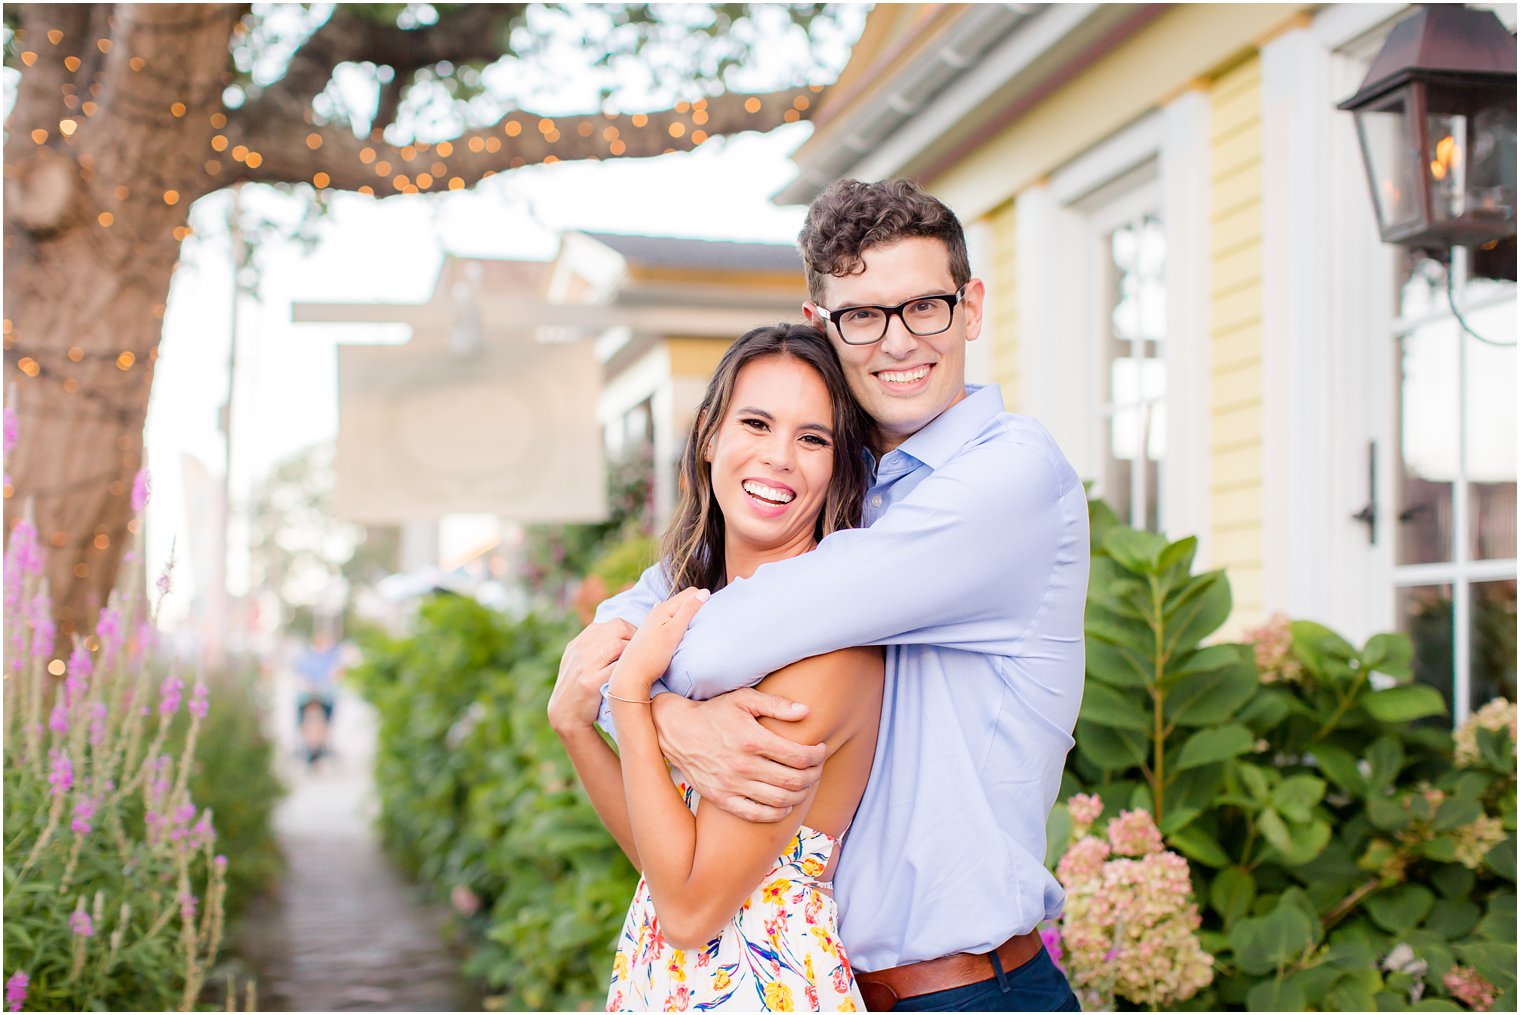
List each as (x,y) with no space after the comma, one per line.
(878,996)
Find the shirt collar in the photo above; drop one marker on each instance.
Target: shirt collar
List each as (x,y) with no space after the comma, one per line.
(951,429)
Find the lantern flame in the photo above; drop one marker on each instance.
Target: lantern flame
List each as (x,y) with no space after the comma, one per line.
(1447,157)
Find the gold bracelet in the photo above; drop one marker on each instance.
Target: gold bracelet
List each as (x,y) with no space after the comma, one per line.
(631,701)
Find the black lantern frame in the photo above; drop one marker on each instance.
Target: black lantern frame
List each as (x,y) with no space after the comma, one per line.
(1436,121)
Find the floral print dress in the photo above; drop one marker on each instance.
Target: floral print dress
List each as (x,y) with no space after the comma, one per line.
(780,952)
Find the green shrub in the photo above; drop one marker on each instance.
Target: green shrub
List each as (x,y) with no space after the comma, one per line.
(480,802)
(1342,857)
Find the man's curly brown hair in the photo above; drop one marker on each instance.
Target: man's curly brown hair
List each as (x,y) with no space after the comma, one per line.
(850,217)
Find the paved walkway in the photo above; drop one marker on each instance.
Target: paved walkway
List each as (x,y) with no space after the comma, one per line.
(344,931)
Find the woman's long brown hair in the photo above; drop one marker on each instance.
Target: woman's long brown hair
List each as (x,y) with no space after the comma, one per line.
(692,548)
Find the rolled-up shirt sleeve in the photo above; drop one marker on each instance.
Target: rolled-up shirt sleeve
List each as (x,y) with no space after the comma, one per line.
(963,561)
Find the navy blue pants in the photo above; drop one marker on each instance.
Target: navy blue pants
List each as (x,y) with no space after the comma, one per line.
(1037,985)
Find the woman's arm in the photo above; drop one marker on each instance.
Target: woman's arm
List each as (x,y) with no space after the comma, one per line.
(601,774)
(700,868)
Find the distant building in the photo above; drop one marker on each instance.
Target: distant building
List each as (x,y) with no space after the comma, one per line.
(1187,286)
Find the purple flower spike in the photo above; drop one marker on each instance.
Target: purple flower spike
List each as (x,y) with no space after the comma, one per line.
(141,487)
(187,904)
(198,703)
(81,668)
(15,990)
(98,715)
(84,810)
(12,429)
(80,924)
(61,774)
(58,722)
(169,695)
(108,630)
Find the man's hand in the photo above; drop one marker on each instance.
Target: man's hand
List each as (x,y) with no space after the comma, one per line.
(583,669)
(734,762)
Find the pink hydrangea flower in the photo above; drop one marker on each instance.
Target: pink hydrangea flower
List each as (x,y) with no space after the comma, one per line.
(1470,987)
(1134,833)
(1083,861)
(1085,808)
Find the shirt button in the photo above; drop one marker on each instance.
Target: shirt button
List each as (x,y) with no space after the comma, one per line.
(876,501)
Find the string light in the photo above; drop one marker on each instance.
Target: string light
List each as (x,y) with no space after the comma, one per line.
(28,58)
(314,141)
(72,63)
(89,107)
(320,180)
(698,136)
(39,136)
(125,360)
(105,218)
(511,129)
(800,103)
(171,197)
(177,110)
(382,168)
(254,160)
(57,666)
(456,183)
(104,45)
(219,142)
(424,181)
(76,353)
(240,153)
(218,120)
(71,386)
(493,143)
(445,149)
(639,119)
(137,63)
(55,36)
(752,105)
(408,153)
(791,116)
(367,155)
(67,127)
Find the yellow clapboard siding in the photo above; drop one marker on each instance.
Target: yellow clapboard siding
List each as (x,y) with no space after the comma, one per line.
(1232,356)
(1239,80)
(1231,114)
(1235,152)
(1235,227)
(1236,191)
(1236,309)
(1004,319)
(1233,270)
(1233,427)
(1237,387)
(1240,466)
(1240,542)
(1237,505)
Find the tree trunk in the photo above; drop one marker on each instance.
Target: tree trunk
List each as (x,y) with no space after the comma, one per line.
(93,226)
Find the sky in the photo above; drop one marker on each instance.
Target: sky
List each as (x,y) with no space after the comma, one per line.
(390,251)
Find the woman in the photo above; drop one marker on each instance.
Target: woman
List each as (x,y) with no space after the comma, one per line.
(729,912)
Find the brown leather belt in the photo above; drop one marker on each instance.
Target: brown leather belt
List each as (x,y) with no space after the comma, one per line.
(884,988)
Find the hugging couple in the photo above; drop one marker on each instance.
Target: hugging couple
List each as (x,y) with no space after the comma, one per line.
(868,606)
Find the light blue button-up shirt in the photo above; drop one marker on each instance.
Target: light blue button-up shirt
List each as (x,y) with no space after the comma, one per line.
(973,569)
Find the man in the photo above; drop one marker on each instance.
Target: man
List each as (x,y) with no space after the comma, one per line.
(972,568)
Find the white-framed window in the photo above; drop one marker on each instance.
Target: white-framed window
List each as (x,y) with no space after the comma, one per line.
(1115,324)
(1434,462)
(1454,451)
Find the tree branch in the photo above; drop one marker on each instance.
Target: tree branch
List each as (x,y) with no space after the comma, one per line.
(474,32)
(521,138)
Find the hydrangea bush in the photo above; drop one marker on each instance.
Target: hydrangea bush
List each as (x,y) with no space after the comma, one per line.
(1349,851)
(113,886)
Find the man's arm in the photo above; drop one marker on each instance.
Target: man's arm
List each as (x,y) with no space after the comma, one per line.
(965,561)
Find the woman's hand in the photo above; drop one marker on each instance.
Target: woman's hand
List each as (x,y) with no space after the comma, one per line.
(649,653)
(583,669)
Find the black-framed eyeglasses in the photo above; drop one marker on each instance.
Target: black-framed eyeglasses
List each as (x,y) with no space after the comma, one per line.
(922,316)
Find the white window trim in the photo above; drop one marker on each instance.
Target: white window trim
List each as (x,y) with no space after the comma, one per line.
(1060,320)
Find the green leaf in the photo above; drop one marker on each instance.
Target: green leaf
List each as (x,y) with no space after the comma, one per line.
(1109,749)
(1498,924)
(1254,779)
(1296,796)
(1385,757)
(1265,711)
(1457,811)
(1388,653)
(1502,859)
(1453,918)
(1231,893)
(1179,555)
(1455,882)
(1388,813)
(1134,549)
(1198,612)
(1177,818)
(1348,995)
(1117,665)
(1105,706)
(1275,830)
(1404,703)
(1276,995)
(1401,908)
(1340,766)
(1196,844)
(1210,746)
(1263,944)
(1209,697)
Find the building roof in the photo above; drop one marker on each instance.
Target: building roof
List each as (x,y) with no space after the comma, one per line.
(679,252)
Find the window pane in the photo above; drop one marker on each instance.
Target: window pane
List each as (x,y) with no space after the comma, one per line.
(1135,374)
(1493,642)
(1428,444)
(1424,613)
(1489,404)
